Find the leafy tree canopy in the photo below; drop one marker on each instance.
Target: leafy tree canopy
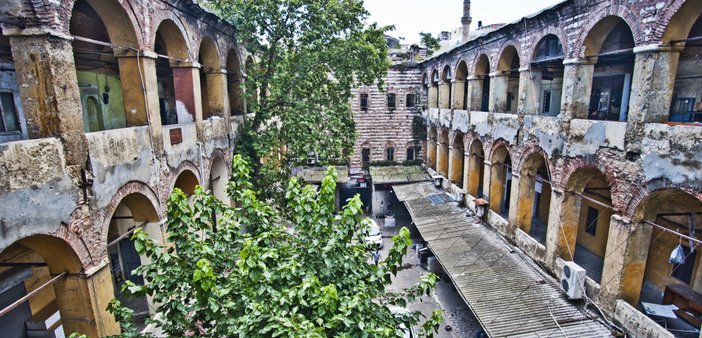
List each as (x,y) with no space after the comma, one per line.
(299,271)
(431,43)
(307,55)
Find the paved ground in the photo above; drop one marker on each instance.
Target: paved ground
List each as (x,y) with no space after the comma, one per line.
(458,319)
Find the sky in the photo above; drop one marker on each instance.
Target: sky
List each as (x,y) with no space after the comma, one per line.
(413,16)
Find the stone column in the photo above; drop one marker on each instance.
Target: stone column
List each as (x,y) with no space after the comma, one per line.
(153,109)
(466,171)
(444,93)
(530,92)
(48,85)
(458,97)
(82,301)
(217,95)
(433,96)
(451,164)
(431,153)
(475,93)
(561,232)
(627,252)
(513,215)
(577,86)
(653,82)
(438,156)
(498,92)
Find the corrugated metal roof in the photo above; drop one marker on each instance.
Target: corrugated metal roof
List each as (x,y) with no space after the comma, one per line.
(508,294)
(398,174)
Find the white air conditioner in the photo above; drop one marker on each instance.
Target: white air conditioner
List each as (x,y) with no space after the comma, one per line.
(573,280)
(438,180)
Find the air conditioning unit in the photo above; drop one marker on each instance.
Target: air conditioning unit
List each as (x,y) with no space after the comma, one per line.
(438,180)
(573,280)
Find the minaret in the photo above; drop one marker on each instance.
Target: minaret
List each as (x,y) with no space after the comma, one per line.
(466,20)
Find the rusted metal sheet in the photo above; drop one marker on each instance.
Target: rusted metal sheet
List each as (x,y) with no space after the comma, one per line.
(176,135)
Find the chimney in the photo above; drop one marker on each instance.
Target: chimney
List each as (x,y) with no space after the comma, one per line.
(465,21)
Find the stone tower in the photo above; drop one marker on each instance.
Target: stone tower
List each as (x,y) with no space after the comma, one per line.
(466,20)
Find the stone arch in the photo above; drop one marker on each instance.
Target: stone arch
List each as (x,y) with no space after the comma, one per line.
(594,35)
(234,80)
(646,270)
(476,167)
(480,92)
(212,84)
(545,33)
(584,220)
(186,178)
(678,20)
(500,177)
(446,73)
(175,38)
(106,78)
(547,74)
(134,206)
(508,52)
(219,173)
(79,307)
(443,152)
(602,165)
(506,85)
(120,22)
(608,49)
(457,159)
(174,74)
(148,197)
(534,193)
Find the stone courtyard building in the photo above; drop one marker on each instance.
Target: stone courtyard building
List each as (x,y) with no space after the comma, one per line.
(107,106)
(580,126)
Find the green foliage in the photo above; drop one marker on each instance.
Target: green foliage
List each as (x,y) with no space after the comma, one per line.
(419,130)
(299,271)
(429,42)
(308,56)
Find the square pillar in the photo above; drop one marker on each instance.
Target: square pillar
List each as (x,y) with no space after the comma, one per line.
(512,215)
(625,264)
(444,95)
(48,85)
(577,87)
(458,96)
(431,153)
(217,97)
(561,233)
(655,69)
(475,93)
(451,164)
(466,171)
(498,92)
(433,96)
(82,302)
(530,92)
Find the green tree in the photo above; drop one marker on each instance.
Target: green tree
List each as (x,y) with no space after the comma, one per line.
(308,54)
(301,271)
(431,43)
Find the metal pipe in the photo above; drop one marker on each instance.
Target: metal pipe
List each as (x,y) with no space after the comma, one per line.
(116,240)
(672,231)
(29,295)
(614,52)
(694,38)
(592,200)
(22,264)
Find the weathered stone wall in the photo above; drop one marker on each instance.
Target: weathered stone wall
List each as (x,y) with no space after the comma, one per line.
(61,187)
(378,127)
(648,166)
